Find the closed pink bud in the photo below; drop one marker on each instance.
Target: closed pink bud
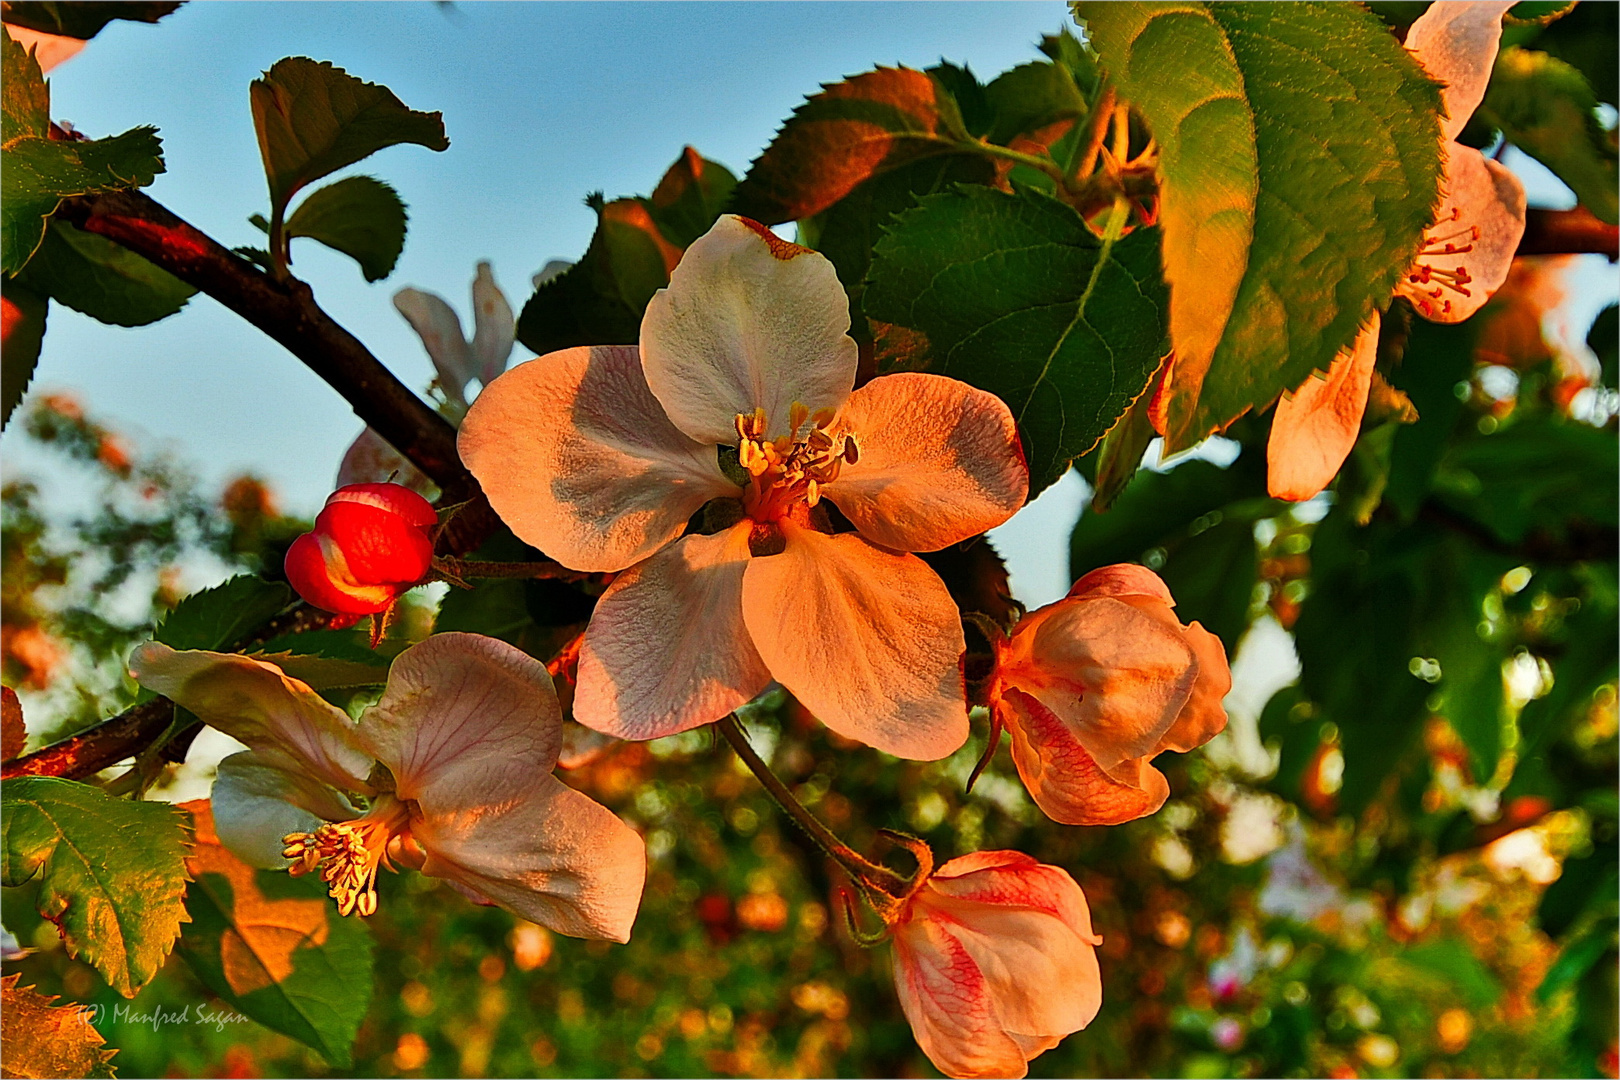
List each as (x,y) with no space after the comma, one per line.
(371,543)
(995,963)
(1095,686)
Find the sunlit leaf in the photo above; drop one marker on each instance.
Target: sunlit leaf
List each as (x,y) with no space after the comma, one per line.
(13,732)
(216,618)
(1016,296)
(111,872)
(46,1040)
(360,216)
(1299,164)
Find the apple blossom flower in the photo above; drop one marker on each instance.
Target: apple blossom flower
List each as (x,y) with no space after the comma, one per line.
(371,543)
(1096,685)
(601,456)
(995,963)
(454,763)
(1465,257)
(456,360)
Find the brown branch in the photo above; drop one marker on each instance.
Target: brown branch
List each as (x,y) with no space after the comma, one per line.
(288,313)
(1568,232)
(107,743)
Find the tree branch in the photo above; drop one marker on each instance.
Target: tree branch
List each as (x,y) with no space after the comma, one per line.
(90,751)
(286,311)
(1568,232)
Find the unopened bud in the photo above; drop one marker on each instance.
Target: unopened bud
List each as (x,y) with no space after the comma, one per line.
(371,543)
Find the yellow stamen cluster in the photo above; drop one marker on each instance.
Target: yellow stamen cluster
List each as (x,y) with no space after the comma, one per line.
(790,469)
(347,853)
(1433,281)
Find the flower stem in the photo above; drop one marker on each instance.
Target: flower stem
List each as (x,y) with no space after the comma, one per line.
(869,875)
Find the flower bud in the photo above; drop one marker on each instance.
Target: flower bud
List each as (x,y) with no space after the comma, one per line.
(371,543)
(995,962)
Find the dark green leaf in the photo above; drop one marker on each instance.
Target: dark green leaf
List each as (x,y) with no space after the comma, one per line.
(1540,10)
(1030,97)
(847,133)
(967,92)
(360,216)
(1298,172)
(1079,57)
(43,1039)
(1437,358)
(314,118)
(21,332)
(219,617)
(1212,573)
(1545,108)
(1576,958)
(83,19)
(1585,884)
(111,872)
(1604,340)
(1016,296)
(275,948)
(1585,38)
(1120,453)
(104,280)
(689,198)
(1451,959)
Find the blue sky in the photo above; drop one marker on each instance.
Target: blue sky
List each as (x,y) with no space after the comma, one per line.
(543,103)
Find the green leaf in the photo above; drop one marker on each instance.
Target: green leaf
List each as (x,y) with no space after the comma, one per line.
(638,241)
(1585,38)
(24,331)
(40,173)
(1437,359)
(25,101)
(1298,170)
(219,617)
(1213,571)
(1017,297)
(1545,108)
(849,132)
(104,280)
(314,118)
(1576,958)
(43,1039)
(84,19)
(1604,340)
(1451,959)
(325,659)
(111,872)
(1078,56)
(1031,96)
(360,216)
(275,948)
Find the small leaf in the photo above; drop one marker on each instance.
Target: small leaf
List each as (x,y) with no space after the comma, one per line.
(1017,297)
(104,280)
(1298,171)
(1545,108)
(111,872)
(360,216)
(600,299)
(325,659)
(13,732)
(87,19)
(275,948)
(844,135)
(25,101)
(22,330)
(314,118)
(219,617)
(42,1039)
(1030,97)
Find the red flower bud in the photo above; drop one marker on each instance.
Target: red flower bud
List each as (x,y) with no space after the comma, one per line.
(370,543)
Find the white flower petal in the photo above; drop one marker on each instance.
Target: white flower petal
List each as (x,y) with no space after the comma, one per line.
(748,321)
(578,458)
(1456,44)
(868,640)
(257,704)
(260,797)
(493,326)
(435,322)
(371,459)
(939,461)
(667,649)
(547,853)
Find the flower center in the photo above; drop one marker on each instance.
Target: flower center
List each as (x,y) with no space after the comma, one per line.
(348,853)
(1427,283)
(789,470)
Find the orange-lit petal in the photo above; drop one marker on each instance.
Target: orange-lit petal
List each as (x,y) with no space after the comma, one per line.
(1481,217)
(1456,43)
(946,999)
(1204,715)
(1065,780)
(1314,428)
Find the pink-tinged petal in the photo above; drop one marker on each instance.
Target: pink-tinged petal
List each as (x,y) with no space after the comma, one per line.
(465,720)
(260,796)
(1029,932)
(1204,715)
(48,49)
(1065,781)
(1116,673)
(667,649)
(578,458)
(1122,579)
(546,853)
(1468,253)
(494,328)
(946,1000)
(435,322)
(257,704)
(1456,44)
(869,641)
(939,462)
(748,322)
(1314,428)
(371,459)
